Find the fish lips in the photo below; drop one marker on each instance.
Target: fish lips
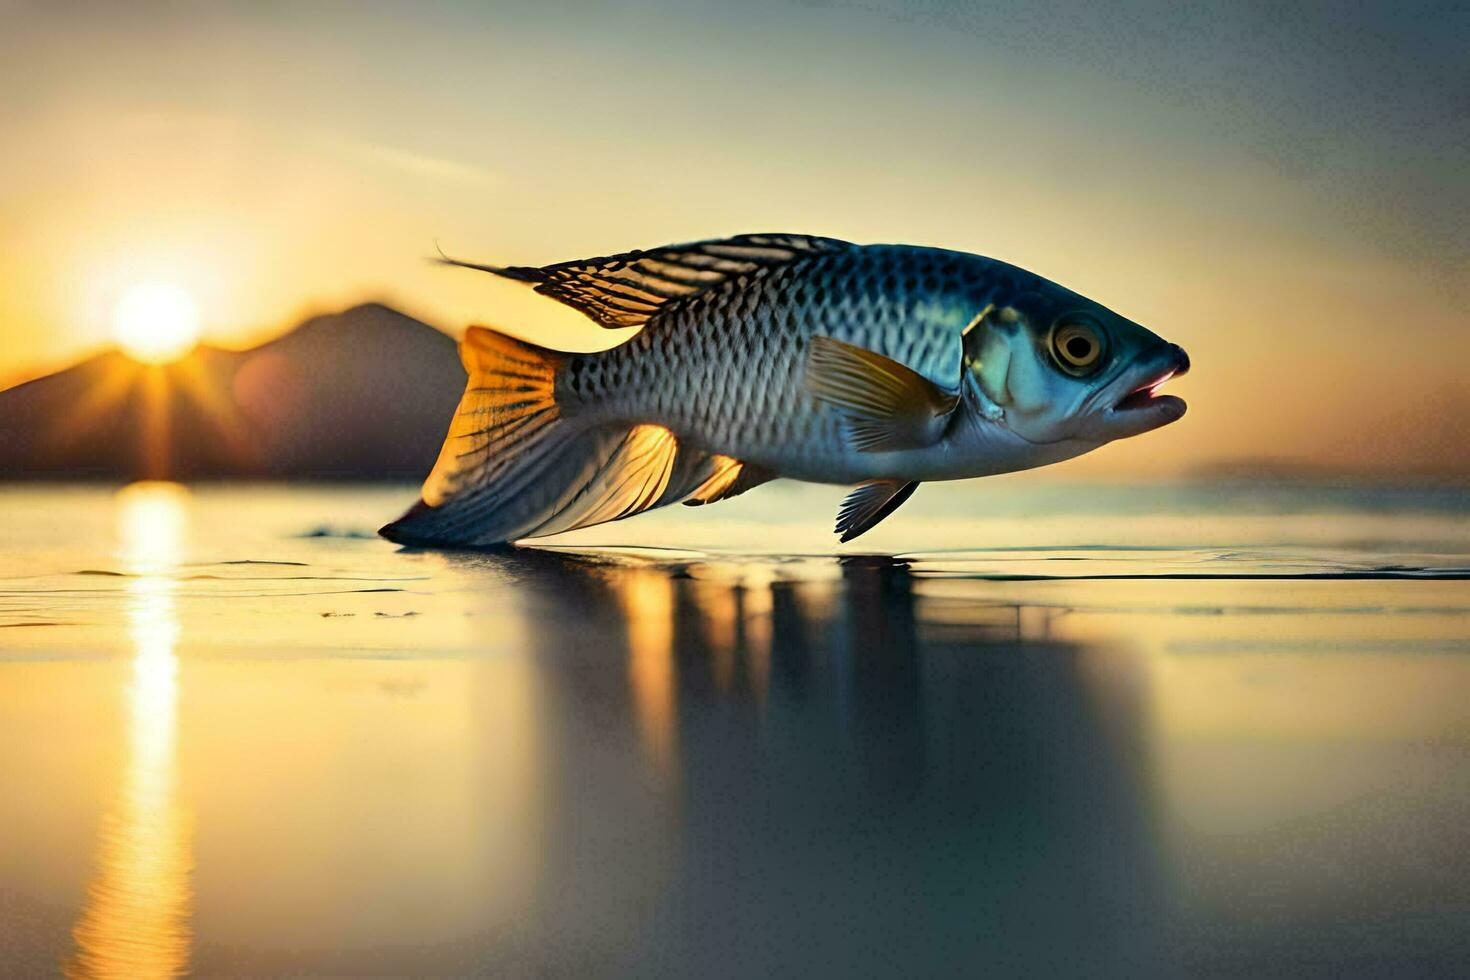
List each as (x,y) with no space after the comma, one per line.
(1130,404)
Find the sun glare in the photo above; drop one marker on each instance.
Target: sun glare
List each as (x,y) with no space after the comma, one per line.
(156,323)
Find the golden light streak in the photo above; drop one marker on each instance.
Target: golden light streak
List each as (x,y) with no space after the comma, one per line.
(719,615)
(135,922)
(649,599)
(102,396)
(756,606)
(221,410)
(157,445)
(110,393)
(156,387)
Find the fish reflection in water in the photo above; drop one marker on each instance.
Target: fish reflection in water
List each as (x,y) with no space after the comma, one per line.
(644,763)
(806,774)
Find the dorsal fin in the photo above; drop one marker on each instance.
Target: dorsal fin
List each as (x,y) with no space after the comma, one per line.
(628,290)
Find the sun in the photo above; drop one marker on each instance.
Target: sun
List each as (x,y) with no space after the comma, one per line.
(155,322)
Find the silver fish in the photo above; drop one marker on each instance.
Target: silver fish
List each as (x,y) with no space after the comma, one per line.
(777,355)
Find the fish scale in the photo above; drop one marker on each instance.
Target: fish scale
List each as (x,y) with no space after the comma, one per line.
(722,369)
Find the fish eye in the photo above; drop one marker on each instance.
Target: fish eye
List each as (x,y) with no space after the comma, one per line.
(1077,347)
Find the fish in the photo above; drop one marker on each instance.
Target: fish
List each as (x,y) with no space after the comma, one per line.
(774,355)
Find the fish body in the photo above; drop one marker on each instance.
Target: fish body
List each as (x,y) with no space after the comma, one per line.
(767,356)
(725,373)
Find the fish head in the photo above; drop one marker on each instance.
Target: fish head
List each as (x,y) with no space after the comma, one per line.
(1052,367)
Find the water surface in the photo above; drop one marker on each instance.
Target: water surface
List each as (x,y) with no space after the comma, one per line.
(1022,727)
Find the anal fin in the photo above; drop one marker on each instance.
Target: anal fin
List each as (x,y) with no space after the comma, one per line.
(886,405)
(731,478)
(626,481)
(866,506)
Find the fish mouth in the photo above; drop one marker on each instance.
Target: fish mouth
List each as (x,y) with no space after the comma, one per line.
(1137,406)
(1144,393)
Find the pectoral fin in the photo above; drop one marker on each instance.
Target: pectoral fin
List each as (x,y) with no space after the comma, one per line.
(886,405)
(870,503)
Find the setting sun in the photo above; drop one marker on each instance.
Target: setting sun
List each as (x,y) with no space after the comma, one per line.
(156,323)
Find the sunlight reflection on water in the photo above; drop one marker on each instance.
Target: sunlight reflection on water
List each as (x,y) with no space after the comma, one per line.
(632,761)
(135,922)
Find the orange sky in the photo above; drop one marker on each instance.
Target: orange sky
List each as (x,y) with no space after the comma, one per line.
(1272,192)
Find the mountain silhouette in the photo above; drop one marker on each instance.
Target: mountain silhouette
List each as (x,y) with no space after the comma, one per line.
(366,393)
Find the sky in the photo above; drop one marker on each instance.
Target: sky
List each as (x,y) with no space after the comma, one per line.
(1284,191)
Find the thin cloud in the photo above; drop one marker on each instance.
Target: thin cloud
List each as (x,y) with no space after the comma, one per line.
(418,164)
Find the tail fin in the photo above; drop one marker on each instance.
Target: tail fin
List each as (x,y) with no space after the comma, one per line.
(514,466)
(507,419)
(508,409)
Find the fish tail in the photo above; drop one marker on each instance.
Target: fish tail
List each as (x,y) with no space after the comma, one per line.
(517,464)
(506,428)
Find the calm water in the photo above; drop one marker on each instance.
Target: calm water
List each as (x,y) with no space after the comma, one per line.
(1075,731)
